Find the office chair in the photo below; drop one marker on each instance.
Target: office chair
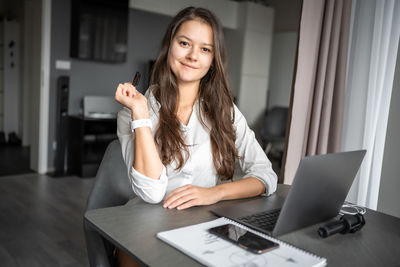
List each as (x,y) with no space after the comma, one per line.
(111,188)
(273,131)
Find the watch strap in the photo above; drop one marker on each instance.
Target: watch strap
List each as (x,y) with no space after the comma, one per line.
(139,123)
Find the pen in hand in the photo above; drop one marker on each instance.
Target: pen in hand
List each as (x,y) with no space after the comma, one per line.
(136,79)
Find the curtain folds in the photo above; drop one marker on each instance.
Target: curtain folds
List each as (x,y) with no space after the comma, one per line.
(318,93)
(374,44)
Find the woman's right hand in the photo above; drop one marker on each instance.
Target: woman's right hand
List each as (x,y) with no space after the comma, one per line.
(127,95)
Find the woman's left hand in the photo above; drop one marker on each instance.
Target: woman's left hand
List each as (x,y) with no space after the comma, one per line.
(190,195)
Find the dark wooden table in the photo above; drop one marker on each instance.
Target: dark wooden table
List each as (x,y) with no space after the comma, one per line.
(133,228)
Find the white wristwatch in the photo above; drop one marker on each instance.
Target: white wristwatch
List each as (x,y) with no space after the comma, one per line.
(139,123)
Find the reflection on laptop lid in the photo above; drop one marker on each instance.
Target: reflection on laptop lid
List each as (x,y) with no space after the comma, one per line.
(319,189)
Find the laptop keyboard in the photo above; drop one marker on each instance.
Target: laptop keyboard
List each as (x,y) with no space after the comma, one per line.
(264,220)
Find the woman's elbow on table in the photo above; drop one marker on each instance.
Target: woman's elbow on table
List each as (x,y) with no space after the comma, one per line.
(152,196)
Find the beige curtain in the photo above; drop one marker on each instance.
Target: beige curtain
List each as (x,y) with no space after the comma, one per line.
(315,120)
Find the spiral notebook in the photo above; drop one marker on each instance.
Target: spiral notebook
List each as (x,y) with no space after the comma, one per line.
(210,250)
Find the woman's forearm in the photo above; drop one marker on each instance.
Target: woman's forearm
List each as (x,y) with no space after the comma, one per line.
(146,159)
(247,187)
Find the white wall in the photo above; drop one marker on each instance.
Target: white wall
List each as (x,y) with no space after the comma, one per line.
(33,82)
(11,67)
(282,61)
(256,26)
(389,197)
(234,46)
(26,71)
(225,10)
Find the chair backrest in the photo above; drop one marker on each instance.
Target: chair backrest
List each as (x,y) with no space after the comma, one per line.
(111,188)
(274,124)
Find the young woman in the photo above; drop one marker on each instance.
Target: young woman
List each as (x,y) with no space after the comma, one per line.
(183,138)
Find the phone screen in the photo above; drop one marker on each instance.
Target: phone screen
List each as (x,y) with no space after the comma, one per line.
(244,238)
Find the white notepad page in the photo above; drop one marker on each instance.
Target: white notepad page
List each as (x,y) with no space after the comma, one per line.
(210,250)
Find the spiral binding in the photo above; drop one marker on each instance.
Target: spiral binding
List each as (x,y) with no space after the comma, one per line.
(281,243)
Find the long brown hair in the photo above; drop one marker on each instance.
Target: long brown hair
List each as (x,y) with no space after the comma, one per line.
(215,99)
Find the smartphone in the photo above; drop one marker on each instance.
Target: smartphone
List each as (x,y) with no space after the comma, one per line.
(244,238)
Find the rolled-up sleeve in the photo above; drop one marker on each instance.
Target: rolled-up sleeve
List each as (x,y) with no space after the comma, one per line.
(253,161)
(150,190)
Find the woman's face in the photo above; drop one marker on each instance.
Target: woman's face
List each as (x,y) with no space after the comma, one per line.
(191,52)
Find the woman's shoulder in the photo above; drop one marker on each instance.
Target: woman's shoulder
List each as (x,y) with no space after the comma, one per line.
(237,114)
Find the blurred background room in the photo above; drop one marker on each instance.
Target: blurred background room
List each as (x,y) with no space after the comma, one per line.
(60,63)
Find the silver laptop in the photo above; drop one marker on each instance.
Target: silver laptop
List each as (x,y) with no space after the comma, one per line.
(319,189)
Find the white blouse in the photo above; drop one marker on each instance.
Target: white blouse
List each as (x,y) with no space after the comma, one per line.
(199,169)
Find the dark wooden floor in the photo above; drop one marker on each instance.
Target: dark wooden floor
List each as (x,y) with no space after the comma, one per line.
(41,220)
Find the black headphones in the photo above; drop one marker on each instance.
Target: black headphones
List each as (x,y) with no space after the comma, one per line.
(348,223)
